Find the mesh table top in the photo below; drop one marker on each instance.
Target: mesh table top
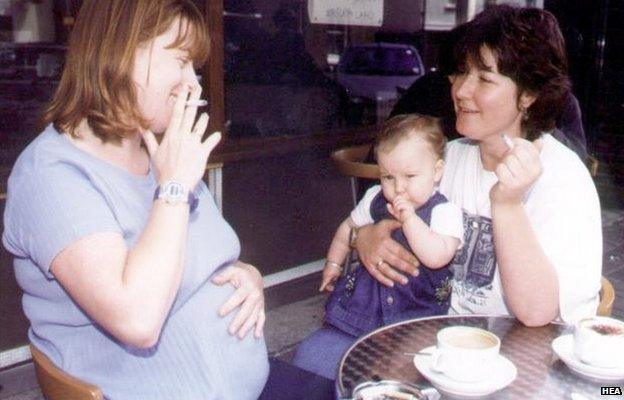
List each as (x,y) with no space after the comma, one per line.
(541,375)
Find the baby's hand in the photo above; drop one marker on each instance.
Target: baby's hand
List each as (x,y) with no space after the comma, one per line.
(401,209)
(331,273)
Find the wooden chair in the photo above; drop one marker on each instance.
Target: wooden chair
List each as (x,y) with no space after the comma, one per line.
(350,162)
(56,384)
(607,298)
(607,292)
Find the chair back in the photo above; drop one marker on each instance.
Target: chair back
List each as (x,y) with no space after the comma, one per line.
(56,384)
(350,162)
(607,298)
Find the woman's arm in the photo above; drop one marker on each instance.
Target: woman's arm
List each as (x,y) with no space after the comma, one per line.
(129,291)
(529,279)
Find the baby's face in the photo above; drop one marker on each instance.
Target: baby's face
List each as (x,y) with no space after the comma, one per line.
(411,169)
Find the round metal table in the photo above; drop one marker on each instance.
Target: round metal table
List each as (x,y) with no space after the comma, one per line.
(541,375)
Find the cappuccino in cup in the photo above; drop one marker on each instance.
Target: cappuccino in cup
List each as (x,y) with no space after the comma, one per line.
(599,341)
(465,354)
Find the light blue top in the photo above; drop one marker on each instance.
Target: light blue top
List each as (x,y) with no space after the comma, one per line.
(57,194)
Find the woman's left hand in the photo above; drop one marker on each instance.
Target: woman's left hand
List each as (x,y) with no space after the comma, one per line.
(520,168)
(249,296)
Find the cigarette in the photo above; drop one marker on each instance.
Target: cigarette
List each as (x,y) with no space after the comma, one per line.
(507,141)
(197,103)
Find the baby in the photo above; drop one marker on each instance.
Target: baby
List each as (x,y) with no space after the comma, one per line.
(409,151)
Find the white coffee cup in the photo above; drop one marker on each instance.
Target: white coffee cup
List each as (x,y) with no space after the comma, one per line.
(465,354)
(599,341)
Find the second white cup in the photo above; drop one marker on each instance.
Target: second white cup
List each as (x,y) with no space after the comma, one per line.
(599,341)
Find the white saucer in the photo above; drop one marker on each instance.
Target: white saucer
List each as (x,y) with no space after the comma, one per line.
(563,346)
(502,375)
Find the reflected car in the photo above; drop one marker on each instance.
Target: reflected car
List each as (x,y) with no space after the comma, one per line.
(378,70)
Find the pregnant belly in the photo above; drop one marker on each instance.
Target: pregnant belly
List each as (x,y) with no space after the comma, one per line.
(237,364)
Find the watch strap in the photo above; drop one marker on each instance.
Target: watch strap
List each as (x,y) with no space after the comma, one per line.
(191,199)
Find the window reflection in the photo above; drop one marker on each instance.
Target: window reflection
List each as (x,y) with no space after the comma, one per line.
(274,86)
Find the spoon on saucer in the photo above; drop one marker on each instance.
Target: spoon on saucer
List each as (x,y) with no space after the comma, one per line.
(420,353)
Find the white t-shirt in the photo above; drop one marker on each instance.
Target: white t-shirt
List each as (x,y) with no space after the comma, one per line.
(446,218)
(564,211)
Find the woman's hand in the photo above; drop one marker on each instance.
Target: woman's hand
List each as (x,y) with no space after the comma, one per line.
(249,296)
(382,256)
(518,171)
(181,155)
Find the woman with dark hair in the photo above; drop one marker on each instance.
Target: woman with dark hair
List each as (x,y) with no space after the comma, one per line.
(533,245)
(431,95)
(533,239)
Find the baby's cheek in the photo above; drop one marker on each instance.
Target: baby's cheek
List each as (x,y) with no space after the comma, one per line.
(388,194)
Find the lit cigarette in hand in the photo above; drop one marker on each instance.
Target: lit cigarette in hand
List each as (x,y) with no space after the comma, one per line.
(197,103)
(507,141)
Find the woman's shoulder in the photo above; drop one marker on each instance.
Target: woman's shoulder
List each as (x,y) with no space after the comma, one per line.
(49,157)
(564,175)
(560,160)
(47,148)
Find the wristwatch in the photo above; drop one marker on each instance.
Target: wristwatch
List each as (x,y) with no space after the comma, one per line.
(173,192)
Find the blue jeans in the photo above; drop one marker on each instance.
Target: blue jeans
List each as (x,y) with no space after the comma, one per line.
(287,382)
(322,350)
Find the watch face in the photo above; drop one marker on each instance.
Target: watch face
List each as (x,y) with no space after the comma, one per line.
(173,192)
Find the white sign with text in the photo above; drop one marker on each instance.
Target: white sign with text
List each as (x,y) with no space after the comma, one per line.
(346,12)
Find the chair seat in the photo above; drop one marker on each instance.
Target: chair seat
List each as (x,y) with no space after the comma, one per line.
(56,384)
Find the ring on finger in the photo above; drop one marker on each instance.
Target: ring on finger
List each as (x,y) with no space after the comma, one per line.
(379,264)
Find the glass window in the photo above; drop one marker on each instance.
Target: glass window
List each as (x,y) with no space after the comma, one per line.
(287,76)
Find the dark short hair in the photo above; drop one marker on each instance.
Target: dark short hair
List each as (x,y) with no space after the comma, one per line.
(529,48)
(404,126)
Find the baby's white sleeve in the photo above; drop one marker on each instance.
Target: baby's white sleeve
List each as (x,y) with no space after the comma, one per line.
(361,213)
(447,219)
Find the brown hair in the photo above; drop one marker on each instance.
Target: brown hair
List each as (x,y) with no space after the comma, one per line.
(97,79)
(401,127)
(529,48)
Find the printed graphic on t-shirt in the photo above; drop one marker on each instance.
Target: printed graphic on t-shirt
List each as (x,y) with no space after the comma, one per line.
(474,266)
